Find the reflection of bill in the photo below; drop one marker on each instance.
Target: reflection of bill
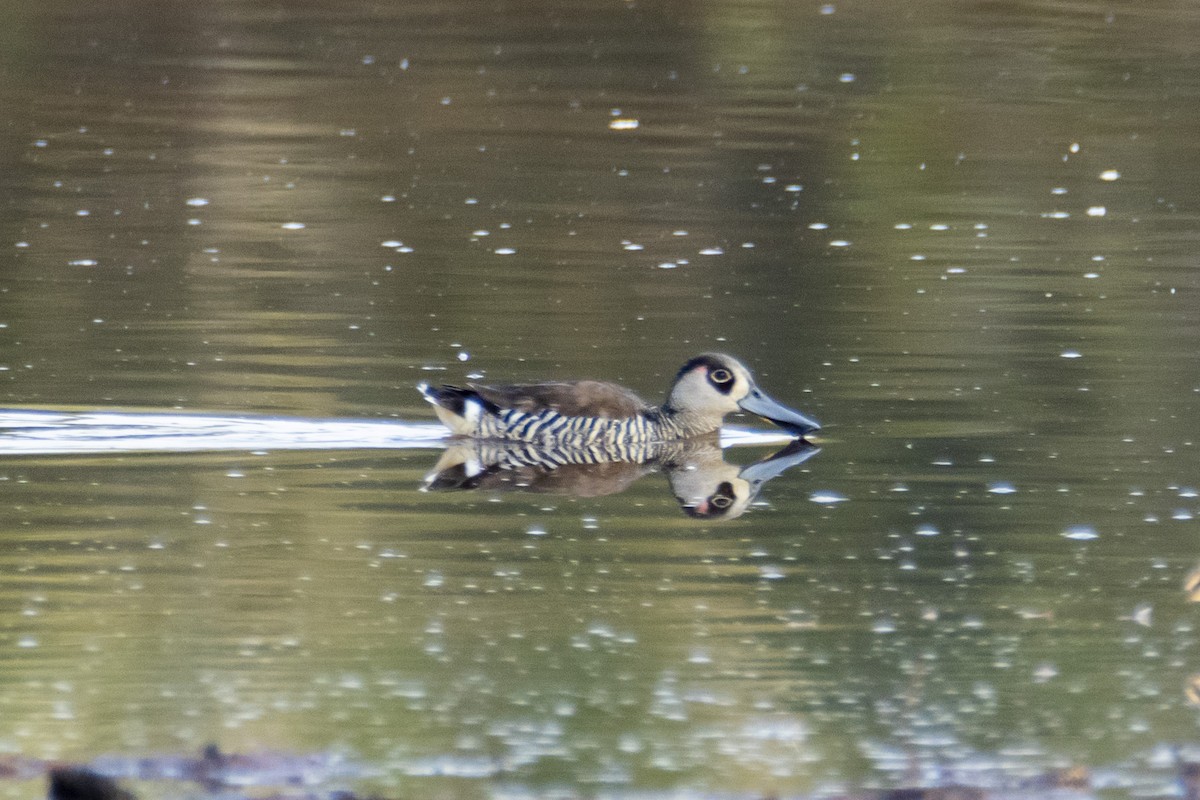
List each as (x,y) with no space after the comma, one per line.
(705,484)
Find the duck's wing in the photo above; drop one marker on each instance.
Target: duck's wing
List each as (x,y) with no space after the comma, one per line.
(572,399)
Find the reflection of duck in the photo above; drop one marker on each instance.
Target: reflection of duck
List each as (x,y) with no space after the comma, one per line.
(705,484)
(592,413)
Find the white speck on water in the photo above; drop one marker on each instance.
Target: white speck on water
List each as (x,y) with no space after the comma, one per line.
(1188,491)
(536,530)
(846,77)
(433,579)
(840,243)
(1002,488)
(21,244)
(1044,672)
(504,251)
(233,473)
(27,642)
(1096,211)
(41,143)
(916,257)
(1110,175)
(793,187)
(83,212)
(388,198)
(197,202)
(463,356)
(883,626)
(1091,275)
(679,233)
(1058,190)
(828,9)
(1181,514)
(1071,354)
(1143,614)
(826,497)
(956,270)
(926,530)
(903,226)
(712,251)
(668,265)
(481,232)
(632,246)
(939,226)
(747,245)
(1081,533)
(770,572)
(471,201)
(769,180)
(1056,215)
(623,124)
(293,226)
(393,243)
(818,226)
(83,262)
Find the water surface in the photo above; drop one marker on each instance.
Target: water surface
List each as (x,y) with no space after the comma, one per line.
(960,235)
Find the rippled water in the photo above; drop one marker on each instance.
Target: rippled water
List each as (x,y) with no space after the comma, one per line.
(960,235)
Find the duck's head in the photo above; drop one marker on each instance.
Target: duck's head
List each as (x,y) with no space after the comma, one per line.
(712,385)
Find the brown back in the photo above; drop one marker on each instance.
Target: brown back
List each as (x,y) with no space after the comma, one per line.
(574,398)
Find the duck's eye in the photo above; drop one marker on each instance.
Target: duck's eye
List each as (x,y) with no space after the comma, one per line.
(720,501)
(721,376)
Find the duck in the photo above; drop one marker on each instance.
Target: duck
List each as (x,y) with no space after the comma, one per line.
(597,414)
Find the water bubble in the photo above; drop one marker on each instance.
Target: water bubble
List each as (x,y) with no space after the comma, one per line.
(1081,533)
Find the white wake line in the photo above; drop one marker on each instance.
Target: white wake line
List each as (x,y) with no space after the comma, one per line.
(34,432)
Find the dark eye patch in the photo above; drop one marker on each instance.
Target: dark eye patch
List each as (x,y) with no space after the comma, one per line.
(722,379)
(723,498)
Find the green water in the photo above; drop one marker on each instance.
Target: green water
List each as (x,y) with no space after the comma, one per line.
(960,235)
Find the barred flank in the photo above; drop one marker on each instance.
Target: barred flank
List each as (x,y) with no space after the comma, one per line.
(548,428)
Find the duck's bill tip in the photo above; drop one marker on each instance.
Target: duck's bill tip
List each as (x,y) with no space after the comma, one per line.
(789,419)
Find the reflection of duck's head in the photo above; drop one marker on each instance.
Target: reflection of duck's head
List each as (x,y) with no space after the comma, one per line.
(709,487)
